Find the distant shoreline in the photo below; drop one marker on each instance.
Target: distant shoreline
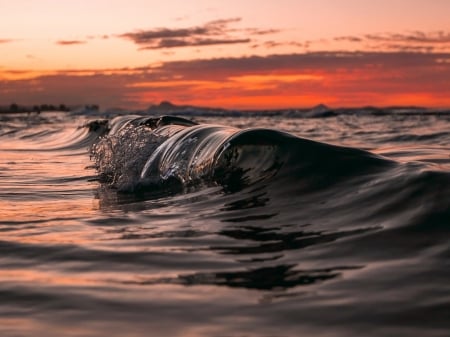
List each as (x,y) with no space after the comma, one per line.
(38,108)
(168,108)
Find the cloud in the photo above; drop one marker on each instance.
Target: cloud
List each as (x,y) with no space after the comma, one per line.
(407,47)
(295,80)
(255,31)
(70,42)
(6,41)
(348,38)
(439,37)
(173,43)
(217,32)
(100,37)
(414,37)
(417,41)
(274,44)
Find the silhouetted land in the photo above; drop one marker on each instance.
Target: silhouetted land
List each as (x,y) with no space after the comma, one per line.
(168,108)
(38,108)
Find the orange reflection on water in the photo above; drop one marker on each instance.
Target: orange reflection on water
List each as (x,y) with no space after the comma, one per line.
(46,209)
(47,221)
(40,276)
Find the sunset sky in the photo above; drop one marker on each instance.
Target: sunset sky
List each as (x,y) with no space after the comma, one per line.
(233,54)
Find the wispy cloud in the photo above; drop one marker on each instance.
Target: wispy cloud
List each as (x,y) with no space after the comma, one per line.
(256,31)
(348,38)
(6,40)
(175,43)
(274,44)
(217,32)
(70,42)
(426,48)
(414,37)
(417,41)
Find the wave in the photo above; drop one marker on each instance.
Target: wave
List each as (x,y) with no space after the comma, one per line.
(319,111)
(186,207)
(145,153)
(267,172)
(51,132)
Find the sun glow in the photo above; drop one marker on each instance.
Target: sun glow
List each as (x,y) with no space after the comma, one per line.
(139,51)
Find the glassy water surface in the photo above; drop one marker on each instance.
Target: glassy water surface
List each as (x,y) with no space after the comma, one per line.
(122,226)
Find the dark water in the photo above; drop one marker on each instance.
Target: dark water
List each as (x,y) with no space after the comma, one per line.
(235,226)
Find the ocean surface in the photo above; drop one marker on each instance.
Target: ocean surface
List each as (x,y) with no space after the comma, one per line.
(227,224)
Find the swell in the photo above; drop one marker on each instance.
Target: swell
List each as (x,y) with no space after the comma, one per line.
(142,153)
(156,157)
(48,134)
(283,214)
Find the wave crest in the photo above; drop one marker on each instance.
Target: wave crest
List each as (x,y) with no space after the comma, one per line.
(155,154)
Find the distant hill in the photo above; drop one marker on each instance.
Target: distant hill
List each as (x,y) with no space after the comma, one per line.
(168,107)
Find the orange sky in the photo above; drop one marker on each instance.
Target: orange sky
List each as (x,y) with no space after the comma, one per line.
(234,53)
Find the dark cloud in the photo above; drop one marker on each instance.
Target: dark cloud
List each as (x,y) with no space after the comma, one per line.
(347,77)
(173,43)
(414,37)
(69,42)
(213,28)
(407,47)
(217,32)
(313,61)
(222,22)
(273,44)
(15,72)
(255,31)
(152,36)
(417,41)
(348,38)
(439,37)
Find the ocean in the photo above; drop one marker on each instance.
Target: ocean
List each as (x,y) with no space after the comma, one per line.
(282,224)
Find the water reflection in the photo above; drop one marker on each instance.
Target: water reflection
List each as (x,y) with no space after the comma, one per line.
(281,277)
(271,240)
(234,240)
(258,200)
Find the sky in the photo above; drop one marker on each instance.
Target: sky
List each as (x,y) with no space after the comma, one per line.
(239,54)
